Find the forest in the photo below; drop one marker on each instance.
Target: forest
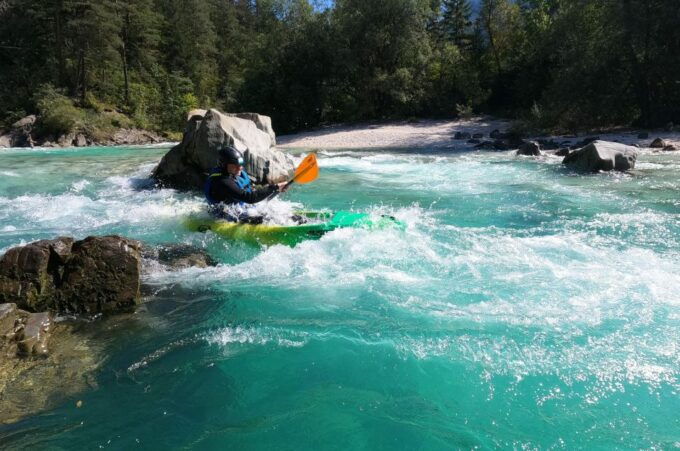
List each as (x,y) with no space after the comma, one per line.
(551,65)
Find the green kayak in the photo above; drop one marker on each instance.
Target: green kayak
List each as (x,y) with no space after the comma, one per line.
(318,223)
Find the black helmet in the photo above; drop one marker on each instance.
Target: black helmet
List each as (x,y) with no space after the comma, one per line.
(230,155)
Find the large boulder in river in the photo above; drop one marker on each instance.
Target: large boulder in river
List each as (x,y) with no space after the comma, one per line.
(95,275)
(102,276)
(185,166)
(602,156)
(30,275)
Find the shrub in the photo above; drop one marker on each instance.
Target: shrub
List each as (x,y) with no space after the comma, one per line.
(464,111)
(58,114)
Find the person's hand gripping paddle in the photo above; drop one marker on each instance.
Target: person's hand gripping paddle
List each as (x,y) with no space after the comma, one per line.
(306,172)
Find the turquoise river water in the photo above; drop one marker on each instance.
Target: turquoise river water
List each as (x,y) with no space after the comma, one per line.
(522,307)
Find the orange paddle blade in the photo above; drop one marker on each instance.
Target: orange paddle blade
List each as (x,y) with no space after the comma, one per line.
(307,171)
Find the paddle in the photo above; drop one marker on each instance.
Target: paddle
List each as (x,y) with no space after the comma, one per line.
(306,172)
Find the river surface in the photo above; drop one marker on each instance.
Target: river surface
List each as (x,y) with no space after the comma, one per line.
(521,307)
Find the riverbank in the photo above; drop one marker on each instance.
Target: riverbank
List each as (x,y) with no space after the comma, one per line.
(106,129)
(459,134)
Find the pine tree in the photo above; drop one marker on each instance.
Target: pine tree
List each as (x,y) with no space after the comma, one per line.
(457,22)
(93,28)
(139,38)
(189,41)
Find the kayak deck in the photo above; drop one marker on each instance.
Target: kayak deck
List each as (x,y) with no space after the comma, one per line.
(267,234)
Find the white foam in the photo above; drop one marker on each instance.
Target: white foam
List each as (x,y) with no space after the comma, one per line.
(240,335)
(79,185)
(341,257)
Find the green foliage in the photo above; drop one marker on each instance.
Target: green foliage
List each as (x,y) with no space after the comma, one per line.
(58,114)
(177,100)
(464,111)
(553,64)
(457,22)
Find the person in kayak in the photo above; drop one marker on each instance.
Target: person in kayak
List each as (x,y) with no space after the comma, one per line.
(228,189)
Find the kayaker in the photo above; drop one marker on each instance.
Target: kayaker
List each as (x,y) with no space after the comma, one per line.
(228,188)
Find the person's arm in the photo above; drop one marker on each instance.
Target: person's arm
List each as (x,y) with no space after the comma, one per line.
(227,189)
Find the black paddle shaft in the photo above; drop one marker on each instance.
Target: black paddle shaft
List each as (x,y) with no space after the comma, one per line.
(290,182)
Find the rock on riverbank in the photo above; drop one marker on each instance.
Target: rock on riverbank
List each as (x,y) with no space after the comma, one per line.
(477,133)
(24,133)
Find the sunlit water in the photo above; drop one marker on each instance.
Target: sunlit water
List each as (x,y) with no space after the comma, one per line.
(523,306)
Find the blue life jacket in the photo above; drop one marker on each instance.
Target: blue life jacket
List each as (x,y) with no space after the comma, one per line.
(242,181)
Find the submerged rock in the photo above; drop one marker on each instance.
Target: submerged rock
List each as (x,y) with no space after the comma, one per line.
(8,316)
(185,166)
(602,156)
(41,362)
(179,256)
(32,335)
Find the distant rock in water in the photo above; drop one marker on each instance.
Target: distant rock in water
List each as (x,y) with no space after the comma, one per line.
(186,165)
(658,143)
(179,256)
(602,156)
(530,148)
(95,275)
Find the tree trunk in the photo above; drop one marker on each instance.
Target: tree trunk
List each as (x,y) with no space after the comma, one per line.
(487,17)
(123,55)
(83,77)
(125,76)
(640,70)
(59,41)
